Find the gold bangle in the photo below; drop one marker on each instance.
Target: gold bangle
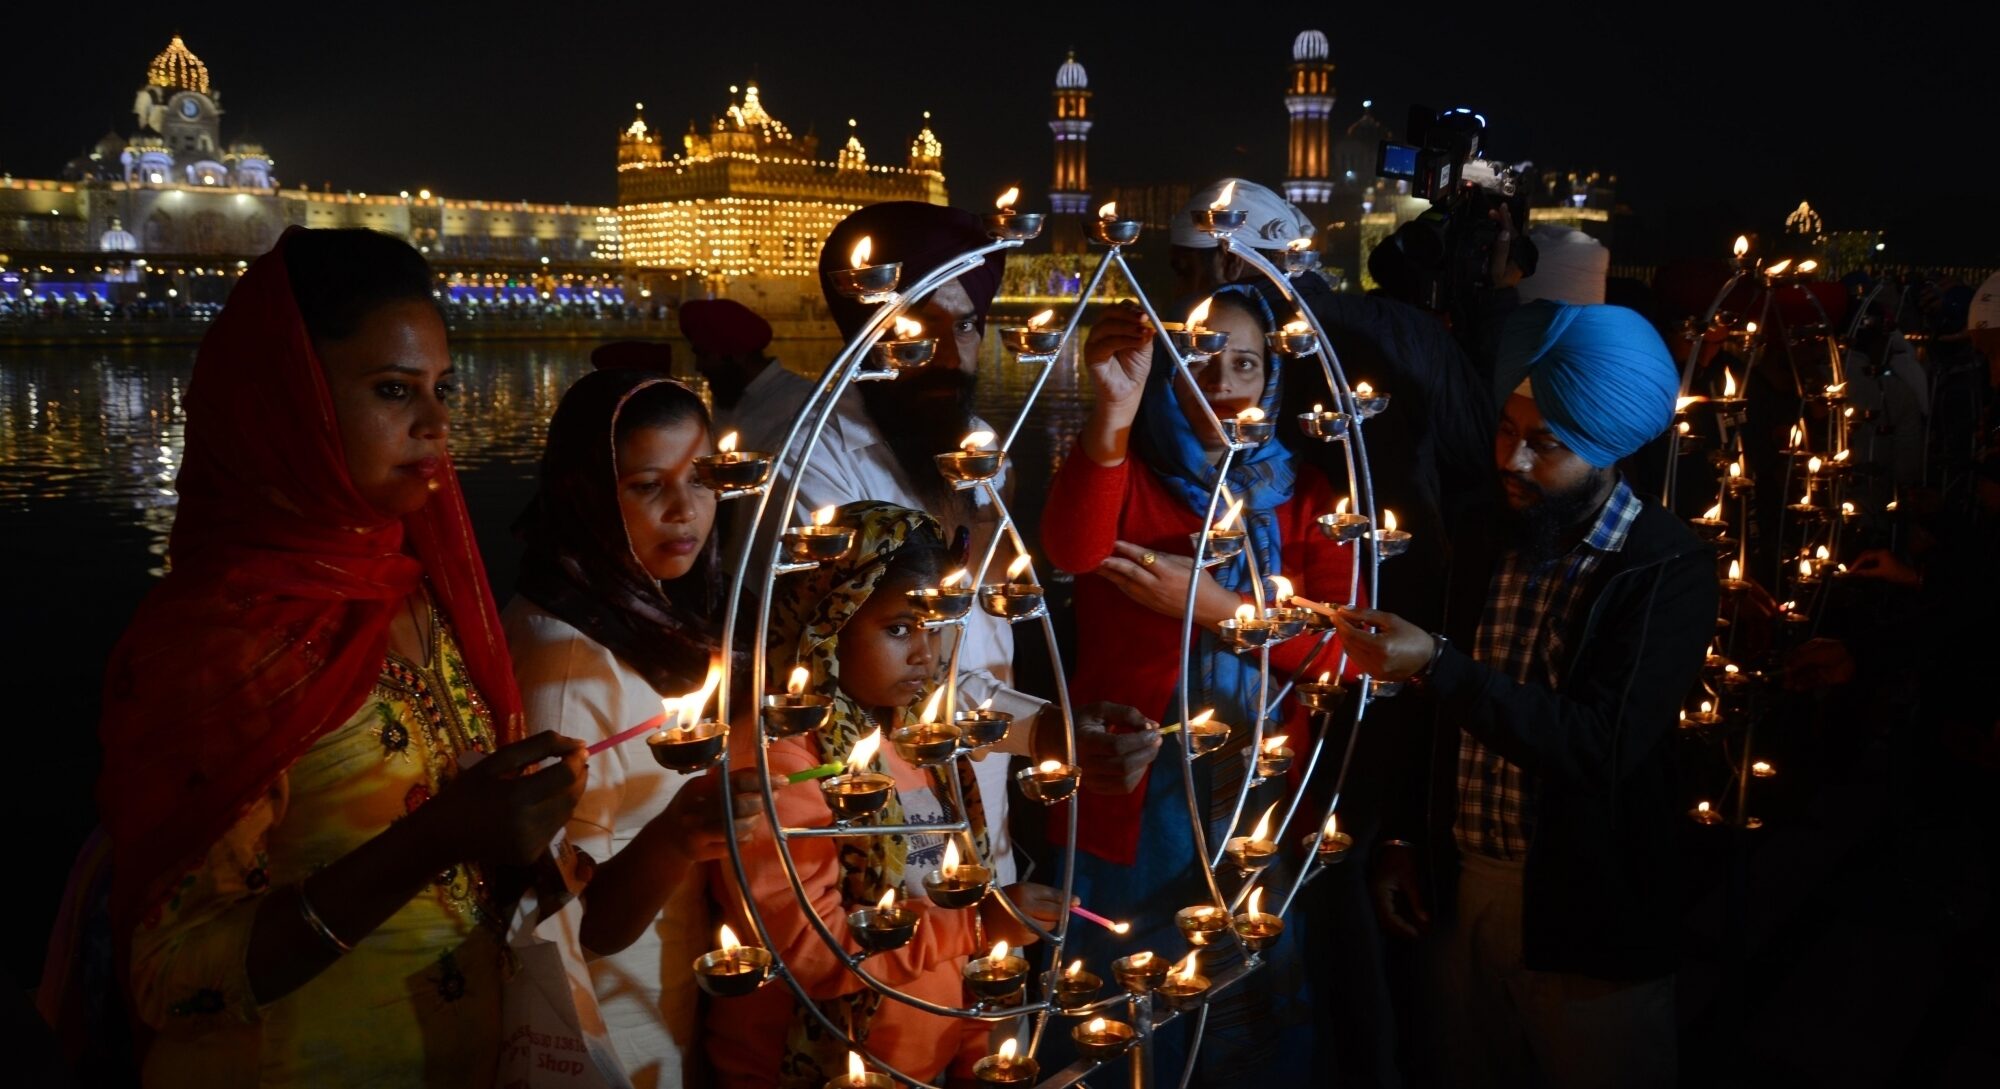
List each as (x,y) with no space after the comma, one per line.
(318,924)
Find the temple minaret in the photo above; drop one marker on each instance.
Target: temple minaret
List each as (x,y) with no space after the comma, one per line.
(1309,101)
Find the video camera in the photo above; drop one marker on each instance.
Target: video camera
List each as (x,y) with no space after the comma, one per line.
(1437,259)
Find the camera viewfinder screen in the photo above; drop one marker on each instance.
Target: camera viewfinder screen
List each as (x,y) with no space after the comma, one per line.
(1399,161)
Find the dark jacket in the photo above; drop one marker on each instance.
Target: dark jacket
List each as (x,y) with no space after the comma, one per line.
(1600,896)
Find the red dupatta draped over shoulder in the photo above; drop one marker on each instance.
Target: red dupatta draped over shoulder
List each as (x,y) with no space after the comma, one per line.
(271,626)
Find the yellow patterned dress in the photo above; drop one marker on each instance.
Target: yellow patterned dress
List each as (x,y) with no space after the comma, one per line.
(417,1002)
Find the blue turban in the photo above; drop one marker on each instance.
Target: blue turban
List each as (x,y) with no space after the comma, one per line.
(1601,376)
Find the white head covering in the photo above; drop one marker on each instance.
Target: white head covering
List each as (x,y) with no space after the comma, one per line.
(1274,221)
(1570,267)
(1984,312)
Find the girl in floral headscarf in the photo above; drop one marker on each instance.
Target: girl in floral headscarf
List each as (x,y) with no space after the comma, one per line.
(849,624)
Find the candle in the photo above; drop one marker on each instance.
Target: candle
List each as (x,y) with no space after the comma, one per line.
(1204,734)
(858,792)
(1256,928)
(1107,229)
(1341,525)
(1035,340)
(1013,600)
(949,600)
(1300,257)
(1082,912)
(796,711)
(996,975)
(906,348)
(1009,225)
(1254,851)
(953,885)
(1049,782)
(1076,987)
(732,969)
(1201,924)
(1319,423)
(886,926)
(1225,538)
(1329,844)
(729,470)
(1006,1067)
(862,280)
(819,541)
(1100,1038)
(983,726)
(1139,973)
(1275,759)
(927,742)
(1185,986)
(1219,219)
(1368,403)
(1321,696)
(1248,427)
(972,461)
(1703,813)
(1247,630)
(860,1077)
(1390,541)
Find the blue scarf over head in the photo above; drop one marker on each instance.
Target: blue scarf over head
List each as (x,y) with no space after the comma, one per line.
(1262,478)
(1602,378)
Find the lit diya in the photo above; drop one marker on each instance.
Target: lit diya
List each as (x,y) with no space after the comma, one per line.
(1006,1067)
(1109,230)
(863,281)
(949,600)
(1225,537)
(732,969)
(983,727)
(1191,339)
(1076,987)
(1323,425)
(1321,696)
(906,348)
(1139,973)
(858,792)
(1330,844)
(886,926)
(1342,525)
(1704,813)
(1701,719)
(1711,526)
(1008,224)
(1368,403)
(1390,541)
(1248,427)
(1258,929)
(730,471)
(1274,759)
(996,975)
(1204,734)
(1184,987)
(858,1076)
(1101,1039)
(820,541)
(1299,257)
(1035,340)
(1013,600)
(1246,630)
(927,742)
(1048,782)
(795,711)
(1255,851)
(1219,219)
(956,885)
(971,462)
(698,744)
(1202,924)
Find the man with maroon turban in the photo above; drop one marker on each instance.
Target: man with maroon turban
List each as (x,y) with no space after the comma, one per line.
(754,394)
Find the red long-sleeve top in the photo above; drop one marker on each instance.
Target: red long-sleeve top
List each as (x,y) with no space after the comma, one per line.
(1127,653)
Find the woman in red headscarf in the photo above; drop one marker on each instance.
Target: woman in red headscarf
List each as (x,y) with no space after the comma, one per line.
(302,846)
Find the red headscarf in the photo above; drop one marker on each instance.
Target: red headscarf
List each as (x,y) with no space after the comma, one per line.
(271,627)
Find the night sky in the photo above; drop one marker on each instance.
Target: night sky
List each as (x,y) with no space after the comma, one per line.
(1715,117)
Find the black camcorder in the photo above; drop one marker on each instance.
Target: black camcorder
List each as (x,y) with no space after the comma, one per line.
(1439,258)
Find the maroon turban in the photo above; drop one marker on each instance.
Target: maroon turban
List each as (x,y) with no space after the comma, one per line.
(921,236)
(723,327)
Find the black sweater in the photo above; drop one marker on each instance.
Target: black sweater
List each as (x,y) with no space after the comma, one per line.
(1600,895)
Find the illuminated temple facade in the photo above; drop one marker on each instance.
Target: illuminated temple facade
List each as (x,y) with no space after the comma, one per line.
(172,200)
(743,206)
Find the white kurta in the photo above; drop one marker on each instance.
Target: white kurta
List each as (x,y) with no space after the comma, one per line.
(572,684)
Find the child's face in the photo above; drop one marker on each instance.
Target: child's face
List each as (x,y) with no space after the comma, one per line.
(887,659)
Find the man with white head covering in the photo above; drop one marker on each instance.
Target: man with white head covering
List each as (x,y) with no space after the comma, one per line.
(1577,619)
(1200,264)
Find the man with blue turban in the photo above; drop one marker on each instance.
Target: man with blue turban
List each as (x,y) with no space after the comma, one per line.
(1576,620)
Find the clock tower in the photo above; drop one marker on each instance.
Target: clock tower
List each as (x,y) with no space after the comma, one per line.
(178,104)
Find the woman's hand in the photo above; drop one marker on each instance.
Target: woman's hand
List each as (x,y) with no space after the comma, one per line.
(1383,645)
(1119,353)
(1115,745)
(497,811)
(1041,903)
(694,822)
(1159,581)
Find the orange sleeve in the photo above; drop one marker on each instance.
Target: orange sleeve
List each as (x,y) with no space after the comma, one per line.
(942,935)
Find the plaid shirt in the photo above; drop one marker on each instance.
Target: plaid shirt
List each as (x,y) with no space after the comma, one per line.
(1528,607)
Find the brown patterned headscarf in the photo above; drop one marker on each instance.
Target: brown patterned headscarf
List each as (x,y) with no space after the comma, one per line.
(805,631)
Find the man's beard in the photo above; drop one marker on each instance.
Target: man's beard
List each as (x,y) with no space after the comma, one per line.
(726,384)
(1538,531)
(921,415)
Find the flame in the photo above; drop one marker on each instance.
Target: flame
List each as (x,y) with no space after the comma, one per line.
(1223,198)
(987,703)
(1805,568)
(1681,403)
(1750,327)
(693,702)
(726,939)
(1049,767)
(1007,199)
(1281,588)
(975,440)
(1317,407)
(1199,314)
(726,444)
(1364,390)
(1253,414)
(1714,513)
(1326,676)
(1742,244)
(1109,211)
(1019,565)
(1389,520)
(1701,807)
(1788,606)
(1808,265)
(1184,973)
(931,708)
(999,951)
(1204,716)
(1299,245)
(1728,383)
(949,867)
(1684,427)
(1707,708)
(1834,390)
(797,685)
(1779,268)
(1735,571)
(1256,904)
(1822,554)
(855,1071)
(862,250)
(1229,519)
(1840,457)
(1331,820)
(908,329)
(1041,320)
(1273,743)
(1341,507)
(954,579)
(1798,435)
(824,515)
(1263,830)
(1096,1026)
(1296,328)
(1761,767)
(1736,468)
(1848,412)
(864,751)
(1813,463)
(1847,508)
(888,899)
(1245,613)
(1731,668)
(1075,968)
(1008,1047)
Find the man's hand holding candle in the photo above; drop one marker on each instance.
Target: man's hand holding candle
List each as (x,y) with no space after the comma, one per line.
(1041,903)
(1383,645)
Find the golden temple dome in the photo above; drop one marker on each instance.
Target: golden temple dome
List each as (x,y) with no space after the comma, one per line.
(926,149)
(178,68)
(750,116)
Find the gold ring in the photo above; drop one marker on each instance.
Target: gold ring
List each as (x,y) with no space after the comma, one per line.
(1148,559)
